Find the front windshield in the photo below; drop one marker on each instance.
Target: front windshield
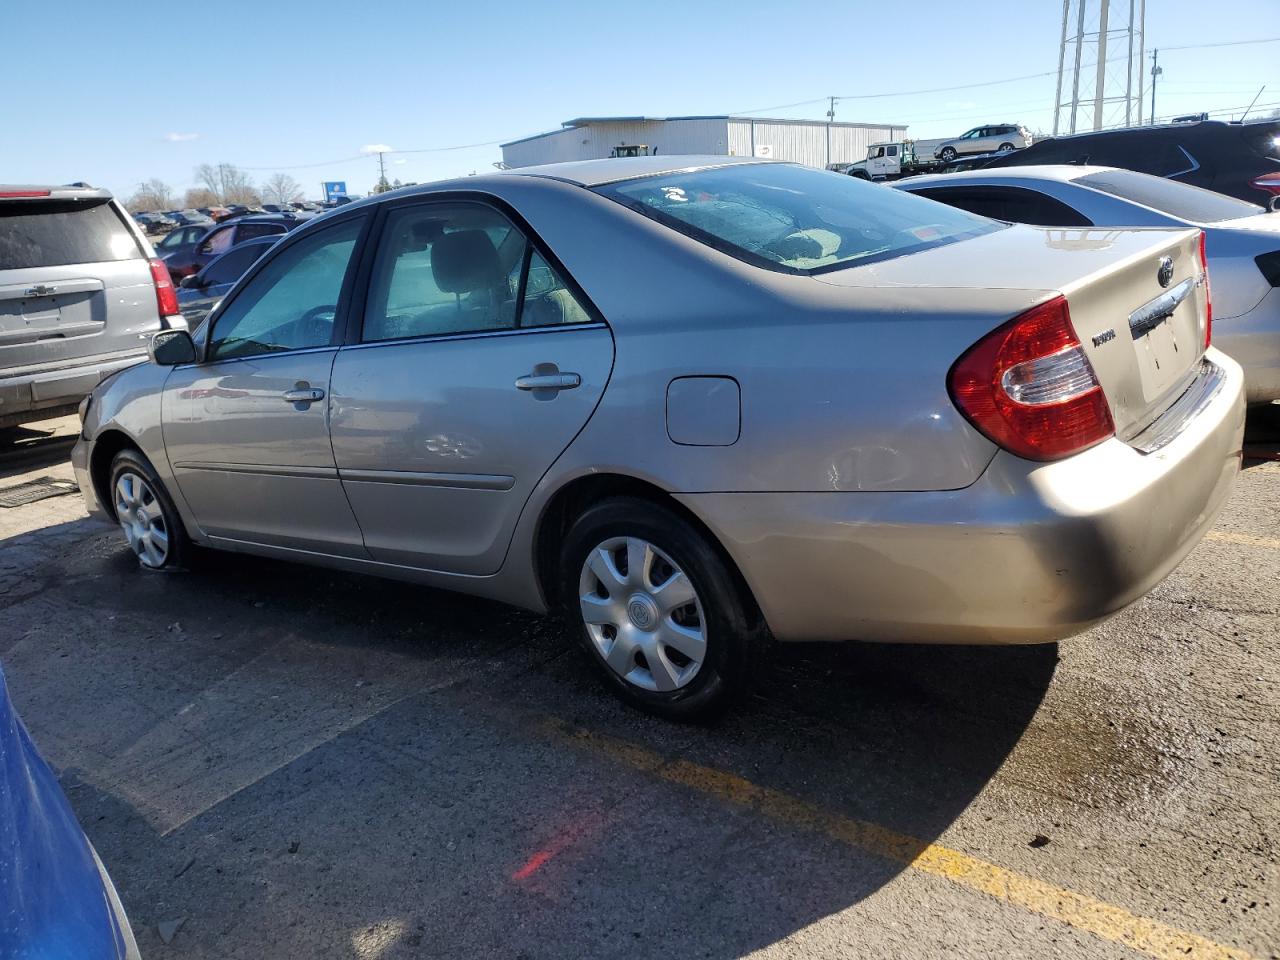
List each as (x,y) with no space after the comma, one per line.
(795,218)
(1168,196)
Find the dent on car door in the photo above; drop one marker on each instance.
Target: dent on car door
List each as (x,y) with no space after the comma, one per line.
(246,429)
(479,363)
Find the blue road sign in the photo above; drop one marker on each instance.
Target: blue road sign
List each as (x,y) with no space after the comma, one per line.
(334,189)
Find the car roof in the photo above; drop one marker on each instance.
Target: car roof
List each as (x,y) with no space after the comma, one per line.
(1061,172)
(44,191)
(594,173)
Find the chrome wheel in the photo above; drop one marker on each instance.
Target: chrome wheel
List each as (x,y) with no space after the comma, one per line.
(642,614)
(142,520)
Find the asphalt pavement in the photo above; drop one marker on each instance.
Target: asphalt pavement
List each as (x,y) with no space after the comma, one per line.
(279,761)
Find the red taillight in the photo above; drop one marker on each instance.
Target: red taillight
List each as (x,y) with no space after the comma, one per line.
(166,295)
(1269,182)
(1208,301)
(24,194)
(1029,387)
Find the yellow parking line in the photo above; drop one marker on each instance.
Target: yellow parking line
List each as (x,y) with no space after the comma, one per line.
(1244,538)
(1075,909)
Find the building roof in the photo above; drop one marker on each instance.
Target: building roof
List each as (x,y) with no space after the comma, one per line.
(588,121)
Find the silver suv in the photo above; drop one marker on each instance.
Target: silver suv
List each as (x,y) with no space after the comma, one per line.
(995,138)
(81,291)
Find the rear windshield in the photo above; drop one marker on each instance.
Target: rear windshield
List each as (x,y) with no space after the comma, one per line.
(796,219)
(1178,199)
(50,233)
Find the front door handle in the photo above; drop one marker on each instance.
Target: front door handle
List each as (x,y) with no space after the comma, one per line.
(303,396)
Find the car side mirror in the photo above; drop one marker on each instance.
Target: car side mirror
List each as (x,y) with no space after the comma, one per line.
(191,282)
(168,348)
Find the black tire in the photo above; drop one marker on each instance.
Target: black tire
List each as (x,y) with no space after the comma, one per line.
(1005,148)
(948,154)
(178,549)
(733,635)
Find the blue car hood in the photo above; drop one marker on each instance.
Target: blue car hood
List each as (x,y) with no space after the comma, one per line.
(53,904)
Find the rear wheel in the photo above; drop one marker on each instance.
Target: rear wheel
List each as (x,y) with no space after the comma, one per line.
(1005,148)
(658,610)
(948,154)
(146,514)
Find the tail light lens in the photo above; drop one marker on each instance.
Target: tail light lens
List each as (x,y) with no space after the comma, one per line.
(1269,182)
(166,295)
(1029,387)
(1208,300)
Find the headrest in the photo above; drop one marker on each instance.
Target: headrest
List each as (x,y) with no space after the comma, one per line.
(465,261)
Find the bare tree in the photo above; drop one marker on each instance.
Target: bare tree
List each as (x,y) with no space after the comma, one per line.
(282,189)
(228,183)
(153,194)
(200,197)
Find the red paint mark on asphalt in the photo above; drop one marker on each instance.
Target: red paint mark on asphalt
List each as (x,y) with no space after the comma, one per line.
(532,864)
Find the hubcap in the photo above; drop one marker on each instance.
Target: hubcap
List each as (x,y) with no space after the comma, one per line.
(642,614)
(141,519)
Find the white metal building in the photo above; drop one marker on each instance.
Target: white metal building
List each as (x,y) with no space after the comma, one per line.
(811,142)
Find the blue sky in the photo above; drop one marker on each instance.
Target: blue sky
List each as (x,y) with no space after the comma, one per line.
(117,91)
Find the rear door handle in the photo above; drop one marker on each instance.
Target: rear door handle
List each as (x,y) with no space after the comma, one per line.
(548,381)
(303,396)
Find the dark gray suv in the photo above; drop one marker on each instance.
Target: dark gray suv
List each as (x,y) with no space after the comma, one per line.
(81,292)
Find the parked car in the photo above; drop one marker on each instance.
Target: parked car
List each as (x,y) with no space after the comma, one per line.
(200,292)
(216,214)
(1241,160)
(79,287)
(224,236)
(154,223)
(694,402)
(996,138)
(183,239)
(1242,241)
(59,900)
(189,218)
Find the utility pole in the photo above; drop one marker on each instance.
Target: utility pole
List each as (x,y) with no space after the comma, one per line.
(831,111)
(382,169)
(1156,70)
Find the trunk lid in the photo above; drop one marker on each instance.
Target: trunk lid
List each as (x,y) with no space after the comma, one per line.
(74,282)
(1144,339)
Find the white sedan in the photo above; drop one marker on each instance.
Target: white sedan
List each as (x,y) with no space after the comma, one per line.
(1242,240)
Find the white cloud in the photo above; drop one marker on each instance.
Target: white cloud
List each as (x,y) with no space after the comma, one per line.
(375,148)
(181,137)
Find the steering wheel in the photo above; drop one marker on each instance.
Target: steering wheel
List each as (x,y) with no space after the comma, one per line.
(316,325)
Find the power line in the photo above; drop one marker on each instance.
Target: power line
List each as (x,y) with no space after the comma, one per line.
(1225,43)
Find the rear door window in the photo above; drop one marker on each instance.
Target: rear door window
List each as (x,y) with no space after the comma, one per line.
(1014,204)
(247,231)
(52,233)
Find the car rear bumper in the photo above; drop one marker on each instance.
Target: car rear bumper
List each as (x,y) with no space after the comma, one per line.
(1253,341)
(1029,553)
(26,392)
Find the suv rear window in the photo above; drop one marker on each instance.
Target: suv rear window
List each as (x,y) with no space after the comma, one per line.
(1179,199)
(51,233)
(795,219)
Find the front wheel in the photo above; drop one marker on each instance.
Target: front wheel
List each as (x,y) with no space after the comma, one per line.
(146,514)
(658,610)
(948,154)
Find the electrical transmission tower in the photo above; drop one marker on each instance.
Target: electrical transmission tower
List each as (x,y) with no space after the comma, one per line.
(1100,65)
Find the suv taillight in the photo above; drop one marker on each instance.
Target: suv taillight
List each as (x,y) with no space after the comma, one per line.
(166,295)
(1029,387)
(1208,301)
(1269,182)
